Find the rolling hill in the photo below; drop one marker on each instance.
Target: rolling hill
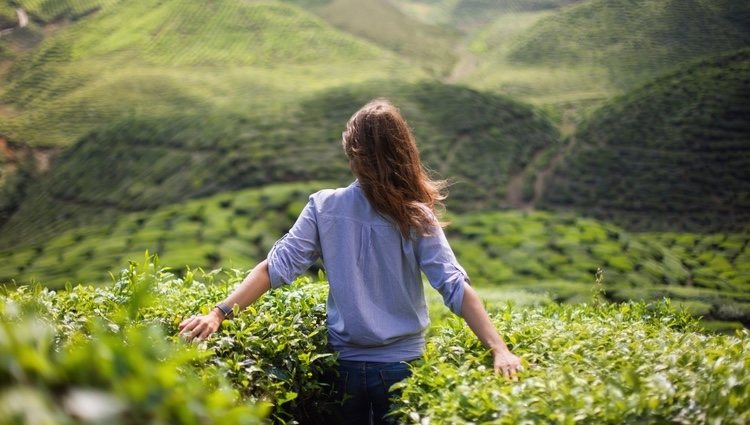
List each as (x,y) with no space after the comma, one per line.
(593,50)
(144,162)
(470,14)
(674,153)
(156,57)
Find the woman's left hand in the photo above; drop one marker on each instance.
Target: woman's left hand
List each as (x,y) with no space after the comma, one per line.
(200,327)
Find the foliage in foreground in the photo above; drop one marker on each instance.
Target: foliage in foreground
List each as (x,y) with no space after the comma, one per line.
(121,341)
(610,363)
(600,363)
(88,356)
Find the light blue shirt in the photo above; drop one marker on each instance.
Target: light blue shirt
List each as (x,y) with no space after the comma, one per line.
(376,307)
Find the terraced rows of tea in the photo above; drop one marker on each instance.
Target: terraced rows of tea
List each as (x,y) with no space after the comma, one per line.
(232,229)
(155,57)
(559,255)
(673,154)
(541,253)
(577,57)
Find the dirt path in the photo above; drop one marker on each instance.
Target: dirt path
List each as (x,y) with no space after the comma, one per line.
(465,65)
(23,20)
(514,191)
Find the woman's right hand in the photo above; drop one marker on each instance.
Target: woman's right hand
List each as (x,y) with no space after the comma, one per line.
(201,327)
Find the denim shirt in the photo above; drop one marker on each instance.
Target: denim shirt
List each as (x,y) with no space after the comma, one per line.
(376,308)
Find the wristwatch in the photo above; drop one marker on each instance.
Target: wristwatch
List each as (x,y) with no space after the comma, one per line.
(228,312)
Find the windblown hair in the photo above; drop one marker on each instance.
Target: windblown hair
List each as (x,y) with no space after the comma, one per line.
(383,155)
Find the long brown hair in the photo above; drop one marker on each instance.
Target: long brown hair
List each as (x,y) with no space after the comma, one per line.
(383,155)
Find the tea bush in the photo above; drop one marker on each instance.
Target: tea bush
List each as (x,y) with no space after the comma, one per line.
(87,356)
(274,352)
(611,363)
(117,347)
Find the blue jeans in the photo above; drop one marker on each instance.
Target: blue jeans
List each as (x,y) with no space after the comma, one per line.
(363,390)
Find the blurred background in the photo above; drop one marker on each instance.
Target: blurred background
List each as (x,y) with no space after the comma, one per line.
(579,135)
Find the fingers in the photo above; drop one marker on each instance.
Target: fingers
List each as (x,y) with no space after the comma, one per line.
(185,322)
(509,370)
(195,327)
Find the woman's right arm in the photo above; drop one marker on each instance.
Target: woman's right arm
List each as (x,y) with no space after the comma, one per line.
(255,284)
(290,256)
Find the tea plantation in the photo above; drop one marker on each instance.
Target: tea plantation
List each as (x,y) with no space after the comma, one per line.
(551,255)
(674,154)
(598,157)
(117,347)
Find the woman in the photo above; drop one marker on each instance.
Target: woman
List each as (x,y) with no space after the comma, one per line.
(375,238)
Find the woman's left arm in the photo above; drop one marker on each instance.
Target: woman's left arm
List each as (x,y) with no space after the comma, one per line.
(476,317)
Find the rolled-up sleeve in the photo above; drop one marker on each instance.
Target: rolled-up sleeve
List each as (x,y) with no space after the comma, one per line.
(296,251)
(439,264)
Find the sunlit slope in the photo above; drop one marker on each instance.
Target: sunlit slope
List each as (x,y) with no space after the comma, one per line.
(633,39)
(537,252)
(590,50)
(674,154)
(161,56)
(380,22)
(477,140)
(468,14)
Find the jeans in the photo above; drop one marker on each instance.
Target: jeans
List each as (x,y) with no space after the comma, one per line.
(363,389)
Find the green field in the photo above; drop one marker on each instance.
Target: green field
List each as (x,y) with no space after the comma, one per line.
(154,57)
(583,54)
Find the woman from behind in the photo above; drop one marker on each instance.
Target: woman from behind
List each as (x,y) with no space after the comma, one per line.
(375,238)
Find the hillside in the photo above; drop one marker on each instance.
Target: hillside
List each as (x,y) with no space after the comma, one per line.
(471,14)
(143,162)
(48,11)
(674,154)
(381,23)
(154,57)
(582,55)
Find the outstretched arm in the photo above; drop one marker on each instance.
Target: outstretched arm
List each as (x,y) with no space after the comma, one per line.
(476,317)
(255,284)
